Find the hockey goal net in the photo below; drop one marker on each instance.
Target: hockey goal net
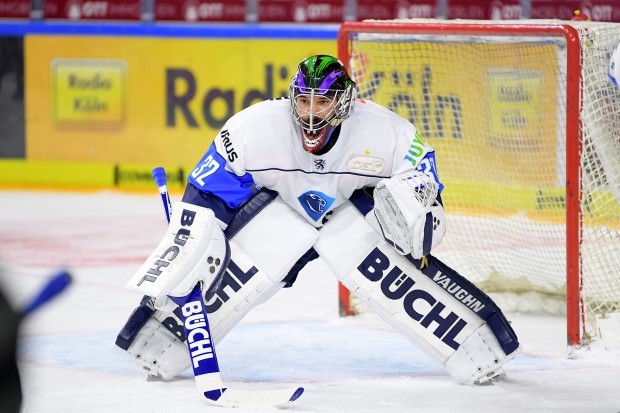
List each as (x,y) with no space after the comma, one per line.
(526,125)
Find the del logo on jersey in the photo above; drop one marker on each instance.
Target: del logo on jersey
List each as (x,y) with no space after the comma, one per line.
(366,164)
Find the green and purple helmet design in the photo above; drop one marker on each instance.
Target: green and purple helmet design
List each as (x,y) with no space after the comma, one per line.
(322,73)
(326,76)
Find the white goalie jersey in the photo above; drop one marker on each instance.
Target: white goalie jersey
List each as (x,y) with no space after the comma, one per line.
(373,143)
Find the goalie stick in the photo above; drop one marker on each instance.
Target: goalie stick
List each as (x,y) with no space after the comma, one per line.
(202,350)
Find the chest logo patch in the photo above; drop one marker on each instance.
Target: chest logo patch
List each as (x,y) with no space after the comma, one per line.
(366,164)
(315,203)
(319,164)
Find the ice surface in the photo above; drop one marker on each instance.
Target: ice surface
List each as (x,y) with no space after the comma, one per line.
(68,361)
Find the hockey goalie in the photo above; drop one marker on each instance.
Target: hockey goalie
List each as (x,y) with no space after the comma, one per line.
(321,173)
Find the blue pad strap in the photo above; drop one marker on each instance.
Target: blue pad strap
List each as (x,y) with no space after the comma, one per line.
(136,321)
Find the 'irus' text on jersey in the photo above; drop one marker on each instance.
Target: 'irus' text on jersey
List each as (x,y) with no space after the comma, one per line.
(230,150)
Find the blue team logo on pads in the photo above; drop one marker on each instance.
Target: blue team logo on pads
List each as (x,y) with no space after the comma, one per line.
(315,203)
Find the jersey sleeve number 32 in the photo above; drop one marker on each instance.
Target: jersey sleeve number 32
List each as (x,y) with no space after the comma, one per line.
(206,168)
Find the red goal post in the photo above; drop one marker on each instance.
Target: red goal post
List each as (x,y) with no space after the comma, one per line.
(538,92)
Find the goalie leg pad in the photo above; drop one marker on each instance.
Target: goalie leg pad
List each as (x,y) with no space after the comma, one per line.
(472,297)
(481,350)
(154,341)
(446,318)
(256,271)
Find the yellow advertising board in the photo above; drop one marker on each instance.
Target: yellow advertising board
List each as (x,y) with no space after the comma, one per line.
(143,100)
(87,92)
(481,106)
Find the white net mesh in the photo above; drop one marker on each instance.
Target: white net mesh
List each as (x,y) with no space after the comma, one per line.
(494,108)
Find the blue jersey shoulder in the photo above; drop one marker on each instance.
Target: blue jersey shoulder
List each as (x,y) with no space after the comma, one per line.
(428,166)
(210,176)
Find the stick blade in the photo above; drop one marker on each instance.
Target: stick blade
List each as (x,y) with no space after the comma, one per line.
(244,398)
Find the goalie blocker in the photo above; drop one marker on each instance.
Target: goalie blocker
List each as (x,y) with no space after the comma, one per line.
(448,317)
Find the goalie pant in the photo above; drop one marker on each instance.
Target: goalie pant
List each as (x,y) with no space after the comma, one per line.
(449,318)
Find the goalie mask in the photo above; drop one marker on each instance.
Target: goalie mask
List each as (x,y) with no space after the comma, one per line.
(322,96)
